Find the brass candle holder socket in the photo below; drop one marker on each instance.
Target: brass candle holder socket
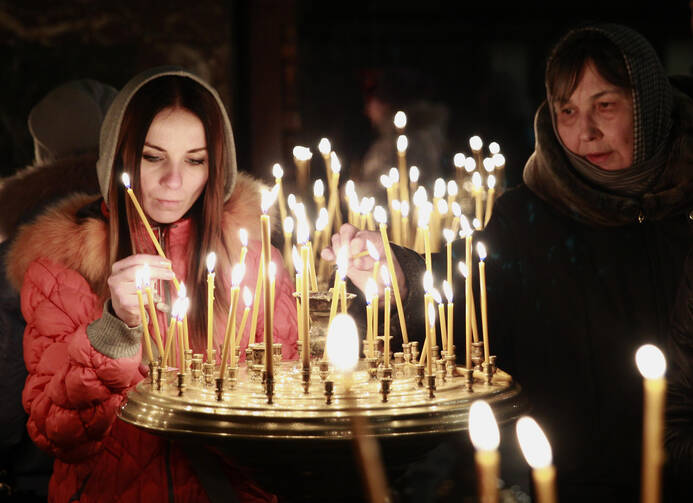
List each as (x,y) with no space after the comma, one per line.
(468,375)
(181,383)
(329,391)
(488,372)
(324,370)
(477,354)
(208,373)
(431,386)
(419,374)
(385,385)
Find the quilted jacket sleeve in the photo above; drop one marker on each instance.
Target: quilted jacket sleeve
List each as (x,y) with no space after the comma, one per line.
(73,391)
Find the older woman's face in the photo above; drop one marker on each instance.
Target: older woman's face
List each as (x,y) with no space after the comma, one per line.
(597,122)
(174,167)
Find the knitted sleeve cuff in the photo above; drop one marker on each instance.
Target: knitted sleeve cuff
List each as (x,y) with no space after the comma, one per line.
(110,336)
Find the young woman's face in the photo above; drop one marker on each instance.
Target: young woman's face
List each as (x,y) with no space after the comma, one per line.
(597,122)
(174,167)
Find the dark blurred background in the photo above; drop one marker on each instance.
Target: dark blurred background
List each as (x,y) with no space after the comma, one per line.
(294,71)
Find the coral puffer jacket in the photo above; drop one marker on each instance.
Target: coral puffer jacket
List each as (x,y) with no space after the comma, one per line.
(73,391)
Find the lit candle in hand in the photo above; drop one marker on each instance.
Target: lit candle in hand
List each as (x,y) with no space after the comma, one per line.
(211,262)
(537,451)
(652,366)
(483,431)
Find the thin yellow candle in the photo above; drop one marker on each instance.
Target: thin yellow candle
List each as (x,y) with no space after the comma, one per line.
(456,210)
(170,336)
(447,289)
(325,148)
(302,235)
(181,340)
(311,265)
(381,218)
(441,318)
(243,236)
(427,248)
(211,262)
(432,336)
(477,192)
(458,161)
(256,305)
(302,157)
(319,194)
(373,252)
(278,173)
(483,430)
(371,313)
(396,222)
(267,200)
(143,317)
(145,221)
(386,321)
(150,302)
(182,292)
(402,144)
(537,451)
(369,324)
(230,333)
(388,183)
(652,366)
(481,249)
(273,282)
(288,232)
(491,181)
(449,236)
(464,270)
(248,301)
(413,179)
(336,168)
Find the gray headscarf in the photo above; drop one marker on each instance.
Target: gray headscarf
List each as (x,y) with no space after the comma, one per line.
(652,102)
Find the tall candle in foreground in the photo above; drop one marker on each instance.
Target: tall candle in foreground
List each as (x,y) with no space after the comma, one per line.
(267,200)
(537,451)
(464,271)
(481,249)
(652,366)
(211,262)
(386,317)
(483,431)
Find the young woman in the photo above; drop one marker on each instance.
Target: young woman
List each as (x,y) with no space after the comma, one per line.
(76,266)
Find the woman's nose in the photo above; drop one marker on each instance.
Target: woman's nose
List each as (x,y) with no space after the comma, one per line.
(172,176)
(589,129)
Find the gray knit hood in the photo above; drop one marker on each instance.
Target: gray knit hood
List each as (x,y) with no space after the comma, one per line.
(662,172)
(110,129)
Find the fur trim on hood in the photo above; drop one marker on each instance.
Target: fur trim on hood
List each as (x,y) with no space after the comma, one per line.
(29,191)
(82,243)
(110,128)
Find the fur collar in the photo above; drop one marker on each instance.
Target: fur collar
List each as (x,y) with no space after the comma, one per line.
(550,176)
(32,189)
(82,243)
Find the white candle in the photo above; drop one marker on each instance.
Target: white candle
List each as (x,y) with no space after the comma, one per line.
(483,431)
(537,451)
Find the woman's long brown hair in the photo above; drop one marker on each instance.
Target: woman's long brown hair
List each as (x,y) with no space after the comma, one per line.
(206,213)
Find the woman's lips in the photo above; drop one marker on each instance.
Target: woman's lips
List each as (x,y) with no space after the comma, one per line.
(598,159)
(165,203)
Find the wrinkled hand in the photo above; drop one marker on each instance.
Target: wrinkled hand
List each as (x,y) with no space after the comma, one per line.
(123,287)
(361,268)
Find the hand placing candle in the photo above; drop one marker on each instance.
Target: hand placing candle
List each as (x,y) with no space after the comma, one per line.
(537,452)
(483,431)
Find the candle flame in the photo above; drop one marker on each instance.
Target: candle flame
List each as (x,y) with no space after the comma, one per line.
(483,429)
(447,290)
(291,202)
(298,264)
(452,188)
(350,189)
(499,160)
(395,205)
(442,206)
(493,147)
(247,297)
(371,289)
(463,268)
(243,236)
(439,188)
(342,344)
(458,160)
(237,274)
(414,174)
(469,164)
(424,214)
(420,196)
(288,225)
(456,209)
(211,262)
(385,181)
(272,271)
(372,250)
(268,198)
(324,146)
(448,235)
(379,215)
(335,165)
(431,315)
(489,165)
(481,250)
(126,180)
(385,276)
(466,229)
(477,224)
(491,181)
(650,361)
(176,308)
(277,170)
(404,207)
(435,293)
(138,279)
(318,188)
(354,204)
(533,442)
(342,261)
(402,143)
(302,153)
(475,143)
(302,231)
(476,180)
(428,281)
(183,305)
(400,120)
(322,221)
(394,175)
(364,207)
(146,275)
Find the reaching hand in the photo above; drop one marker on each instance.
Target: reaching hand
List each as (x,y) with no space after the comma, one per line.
(123,288)
(361,267)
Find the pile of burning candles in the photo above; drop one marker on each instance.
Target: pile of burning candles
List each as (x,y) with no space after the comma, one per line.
(409,219)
